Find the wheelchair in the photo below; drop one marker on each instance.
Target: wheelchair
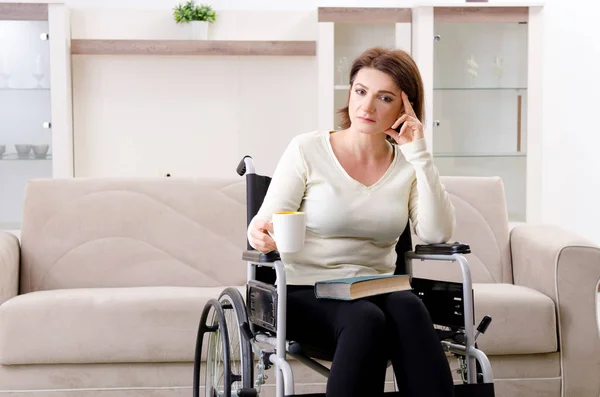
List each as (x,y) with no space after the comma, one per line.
(246,337)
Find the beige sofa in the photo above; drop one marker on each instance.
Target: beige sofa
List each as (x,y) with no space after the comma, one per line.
(103,294)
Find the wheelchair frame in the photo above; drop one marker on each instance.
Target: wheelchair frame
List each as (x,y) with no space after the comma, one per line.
(468,353)
(285,379)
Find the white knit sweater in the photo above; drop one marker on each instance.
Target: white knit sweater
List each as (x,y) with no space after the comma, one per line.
(352,229)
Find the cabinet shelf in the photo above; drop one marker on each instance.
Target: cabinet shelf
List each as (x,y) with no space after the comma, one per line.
(480,89)
(510,14)
(23,11)
(9,226)
(15,157)
(365,15)
(24,89)
(193,47)
(467,155)
(343,87)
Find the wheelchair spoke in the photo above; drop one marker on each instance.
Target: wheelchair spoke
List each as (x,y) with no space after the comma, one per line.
(220,373)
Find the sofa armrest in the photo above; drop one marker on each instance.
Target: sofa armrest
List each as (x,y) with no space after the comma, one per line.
(10,258)
(565,267)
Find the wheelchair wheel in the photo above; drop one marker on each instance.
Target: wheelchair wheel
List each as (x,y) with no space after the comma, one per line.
(229,360)
(242,363)
(218,372)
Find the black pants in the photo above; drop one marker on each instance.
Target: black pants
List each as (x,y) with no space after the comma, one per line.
(364,334)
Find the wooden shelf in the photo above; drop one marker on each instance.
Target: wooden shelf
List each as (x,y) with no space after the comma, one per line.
(480,89)
(5,89)
(23,12)
(476,155)
(364,15)
(193,47)
(29,158)
(481,14)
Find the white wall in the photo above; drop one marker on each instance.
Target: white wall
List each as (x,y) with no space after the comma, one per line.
(571,189)
(272,5)
(189,116)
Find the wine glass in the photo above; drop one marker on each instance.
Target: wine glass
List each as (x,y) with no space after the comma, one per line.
(343,70)
(498,68)
(4,72)
(37,73)
(472,69)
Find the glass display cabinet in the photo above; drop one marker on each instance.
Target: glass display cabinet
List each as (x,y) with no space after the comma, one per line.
(27,102)
(482,73)
(480,101)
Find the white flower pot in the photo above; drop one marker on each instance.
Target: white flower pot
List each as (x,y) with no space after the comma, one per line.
(199,30)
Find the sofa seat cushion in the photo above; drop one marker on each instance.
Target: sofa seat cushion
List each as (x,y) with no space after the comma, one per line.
(103,325)
(159,324)
(523,320)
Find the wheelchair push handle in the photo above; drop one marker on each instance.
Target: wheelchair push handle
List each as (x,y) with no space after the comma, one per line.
(246,165)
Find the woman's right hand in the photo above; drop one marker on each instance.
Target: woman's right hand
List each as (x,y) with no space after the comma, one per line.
(259,237)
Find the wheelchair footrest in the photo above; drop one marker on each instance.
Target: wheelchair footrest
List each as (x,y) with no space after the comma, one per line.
(306,395)
(247,393)
(474,390)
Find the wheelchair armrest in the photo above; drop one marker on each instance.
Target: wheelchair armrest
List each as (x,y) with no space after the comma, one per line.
(442,249)
(258,257)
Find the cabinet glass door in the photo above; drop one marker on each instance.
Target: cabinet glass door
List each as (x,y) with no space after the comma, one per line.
(480,104)
(351,39)
(25,135)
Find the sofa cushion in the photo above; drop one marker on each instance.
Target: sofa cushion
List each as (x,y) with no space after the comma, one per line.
(159,324)
(133,232)
(103,325)
(481,222)
(523,320)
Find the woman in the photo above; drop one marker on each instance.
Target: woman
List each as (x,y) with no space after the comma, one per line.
(358,187)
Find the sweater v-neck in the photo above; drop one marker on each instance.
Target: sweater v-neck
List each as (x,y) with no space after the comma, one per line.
(382,179)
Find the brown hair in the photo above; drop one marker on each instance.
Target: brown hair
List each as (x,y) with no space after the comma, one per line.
(397,64)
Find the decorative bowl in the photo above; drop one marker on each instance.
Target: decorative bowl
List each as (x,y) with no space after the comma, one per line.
(23,150)
(40,151)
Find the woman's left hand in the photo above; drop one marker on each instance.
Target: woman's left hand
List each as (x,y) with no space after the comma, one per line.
(412,130)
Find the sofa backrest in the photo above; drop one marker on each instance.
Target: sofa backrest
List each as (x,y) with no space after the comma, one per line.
(127,232)
(481,222)
(89,232)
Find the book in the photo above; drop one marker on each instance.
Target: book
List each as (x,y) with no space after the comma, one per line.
(359,287)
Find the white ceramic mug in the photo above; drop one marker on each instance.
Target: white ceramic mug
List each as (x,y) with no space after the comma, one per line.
(289,229)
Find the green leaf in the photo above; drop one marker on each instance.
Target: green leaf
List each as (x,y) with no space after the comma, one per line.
(190,11)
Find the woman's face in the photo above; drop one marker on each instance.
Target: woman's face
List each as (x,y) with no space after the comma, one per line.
(375,102)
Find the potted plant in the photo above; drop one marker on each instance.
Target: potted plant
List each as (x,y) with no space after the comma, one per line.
(198,16)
